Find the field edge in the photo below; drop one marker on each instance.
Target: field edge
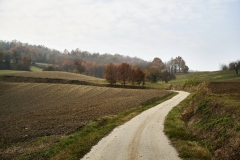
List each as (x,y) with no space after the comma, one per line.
(79,143)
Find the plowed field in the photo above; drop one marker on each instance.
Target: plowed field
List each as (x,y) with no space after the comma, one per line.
(29,110)
(224,87)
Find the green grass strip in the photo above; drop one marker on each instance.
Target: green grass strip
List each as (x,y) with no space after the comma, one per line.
(79,143)
(3,72)
(187,145)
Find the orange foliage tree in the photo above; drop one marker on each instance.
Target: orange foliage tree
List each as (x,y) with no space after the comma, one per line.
(79,68)
(132,76)
(167,76)
(110,73)
(124,72)
(153,74)
(140,77)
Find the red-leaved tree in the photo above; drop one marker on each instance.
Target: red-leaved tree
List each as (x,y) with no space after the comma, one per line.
(110,73)
(123,72)
(140,77)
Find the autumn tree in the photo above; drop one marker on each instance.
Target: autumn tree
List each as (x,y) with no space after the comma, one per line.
(110,73)
(140,77)
(123,72)
(1,59)
(173,65)
(79,68)
(167,76)
(182,65)
(158,62)
(18,51)
(132,76)
(26,60)
(153,74)
(67,65)
(178,61)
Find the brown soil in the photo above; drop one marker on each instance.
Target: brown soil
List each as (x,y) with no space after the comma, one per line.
(30,110)
(224,87)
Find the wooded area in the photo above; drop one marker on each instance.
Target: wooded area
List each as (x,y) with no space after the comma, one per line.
(16,55)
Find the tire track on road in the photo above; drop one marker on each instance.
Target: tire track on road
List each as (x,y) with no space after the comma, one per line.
(140,138)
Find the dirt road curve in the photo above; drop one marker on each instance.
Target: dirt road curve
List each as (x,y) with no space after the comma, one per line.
(142,138)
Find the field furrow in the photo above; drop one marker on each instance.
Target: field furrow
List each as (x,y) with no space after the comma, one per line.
(30,110)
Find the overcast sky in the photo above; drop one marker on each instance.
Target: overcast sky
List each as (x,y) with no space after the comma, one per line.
(205,33)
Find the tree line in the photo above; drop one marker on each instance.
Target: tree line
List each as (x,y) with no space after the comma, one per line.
(231,66)
(20,56)
(125,73)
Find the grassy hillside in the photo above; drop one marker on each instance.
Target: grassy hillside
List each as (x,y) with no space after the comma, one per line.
(187,81)
(57,75)
(215,76)
(31,110)
(50,77)
(35,69)
(207,124)
(4,72)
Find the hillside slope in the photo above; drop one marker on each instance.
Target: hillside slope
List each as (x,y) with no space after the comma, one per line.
(215,76)
(57,75)
(207,124)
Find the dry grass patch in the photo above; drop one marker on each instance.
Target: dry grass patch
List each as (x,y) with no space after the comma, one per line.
(58,75)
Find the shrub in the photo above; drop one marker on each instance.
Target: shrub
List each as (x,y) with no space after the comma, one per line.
(191,82)
(49,68)
(21,66)
(224,67)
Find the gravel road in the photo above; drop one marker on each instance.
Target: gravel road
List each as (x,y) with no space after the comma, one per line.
(141,138)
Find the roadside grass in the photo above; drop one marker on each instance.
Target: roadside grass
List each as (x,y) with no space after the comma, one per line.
(79,143)
(186,143)
(206,126)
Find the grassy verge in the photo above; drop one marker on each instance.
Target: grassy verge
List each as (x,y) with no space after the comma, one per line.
(80,142)
(186,143)
(206,126)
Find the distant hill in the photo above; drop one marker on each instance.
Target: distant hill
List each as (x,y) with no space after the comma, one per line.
(16,55)
(43,54)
